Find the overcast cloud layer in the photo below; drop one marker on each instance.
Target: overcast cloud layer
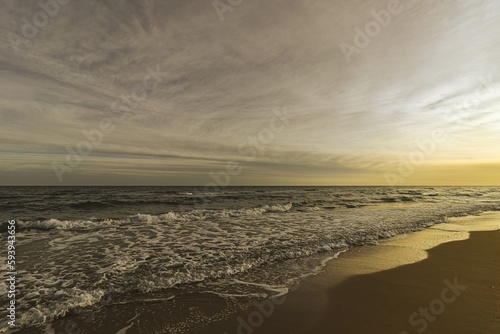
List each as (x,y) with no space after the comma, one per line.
(360,119)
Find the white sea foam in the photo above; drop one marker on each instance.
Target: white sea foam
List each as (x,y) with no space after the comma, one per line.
(195,215)
(66,300)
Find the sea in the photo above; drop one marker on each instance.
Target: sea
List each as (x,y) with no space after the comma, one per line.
(84,248)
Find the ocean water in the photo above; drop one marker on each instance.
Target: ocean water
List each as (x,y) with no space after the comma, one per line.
(87,247)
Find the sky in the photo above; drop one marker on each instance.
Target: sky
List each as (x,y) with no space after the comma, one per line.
(249,92)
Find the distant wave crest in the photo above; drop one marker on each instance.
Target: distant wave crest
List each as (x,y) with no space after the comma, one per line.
(195,215)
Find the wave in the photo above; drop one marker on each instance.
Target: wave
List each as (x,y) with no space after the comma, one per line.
(113,203)
(390,199)
(67,300)
(195,215)
(126,274)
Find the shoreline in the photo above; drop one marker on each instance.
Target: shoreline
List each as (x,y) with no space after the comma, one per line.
(377,289)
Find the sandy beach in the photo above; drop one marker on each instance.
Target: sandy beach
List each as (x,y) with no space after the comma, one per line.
(421,283)
(444,279)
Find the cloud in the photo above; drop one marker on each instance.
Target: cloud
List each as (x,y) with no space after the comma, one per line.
(224,79)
